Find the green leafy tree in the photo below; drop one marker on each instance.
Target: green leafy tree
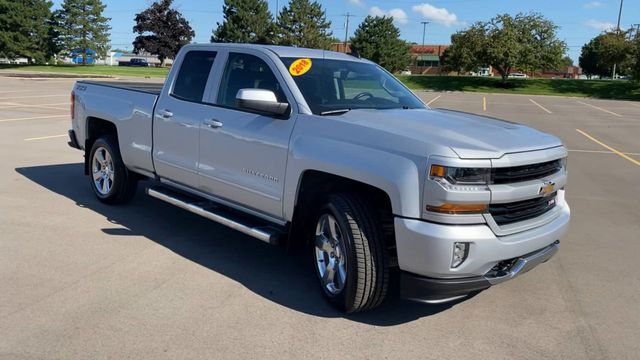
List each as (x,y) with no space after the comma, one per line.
(600,53)
(304,24)
(463,58)
(245,21)
(82,27)
(161,30)
(24,29)
(378,40)
(635,57)
(527,42)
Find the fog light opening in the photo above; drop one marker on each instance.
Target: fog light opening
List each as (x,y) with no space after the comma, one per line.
(460,253)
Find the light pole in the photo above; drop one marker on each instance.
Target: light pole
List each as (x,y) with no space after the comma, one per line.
(424,30)
(613,73)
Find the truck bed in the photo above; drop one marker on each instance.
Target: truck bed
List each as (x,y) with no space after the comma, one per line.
(141,86)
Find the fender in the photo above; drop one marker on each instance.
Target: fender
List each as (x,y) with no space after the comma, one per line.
(398,176)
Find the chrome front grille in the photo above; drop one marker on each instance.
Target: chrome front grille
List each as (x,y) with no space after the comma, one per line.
(508,213)
(508,175)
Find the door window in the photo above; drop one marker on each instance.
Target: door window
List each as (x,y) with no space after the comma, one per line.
(244,71)
(192,77)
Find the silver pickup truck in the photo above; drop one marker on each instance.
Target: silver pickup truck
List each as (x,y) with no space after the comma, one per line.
(329,152)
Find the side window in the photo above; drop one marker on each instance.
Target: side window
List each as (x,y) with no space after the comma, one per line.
(244,71)
(193,75)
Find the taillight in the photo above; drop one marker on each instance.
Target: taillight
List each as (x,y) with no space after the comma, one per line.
(73,104)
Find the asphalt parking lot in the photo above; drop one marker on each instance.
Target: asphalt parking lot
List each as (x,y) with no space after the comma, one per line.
(79,279)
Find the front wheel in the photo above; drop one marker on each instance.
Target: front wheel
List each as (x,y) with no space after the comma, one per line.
(349,255)
(110,180)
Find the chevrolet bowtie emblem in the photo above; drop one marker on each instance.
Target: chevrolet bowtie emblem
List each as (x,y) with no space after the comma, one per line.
(547,188)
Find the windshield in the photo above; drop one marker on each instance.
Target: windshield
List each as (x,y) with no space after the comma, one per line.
(335,86)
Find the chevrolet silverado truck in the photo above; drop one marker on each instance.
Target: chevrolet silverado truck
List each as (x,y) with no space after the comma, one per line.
(331,153)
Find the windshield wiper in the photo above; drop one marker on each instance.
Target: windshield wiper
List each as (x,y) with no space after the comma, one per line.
(335,112)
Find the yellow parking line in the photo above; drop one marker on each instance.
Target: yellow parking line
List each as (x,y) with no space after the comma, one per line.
(34,118)
(599,108)
(484,103)
(45,137)
(433,100)
(608,147)
(601,152)
(540,106)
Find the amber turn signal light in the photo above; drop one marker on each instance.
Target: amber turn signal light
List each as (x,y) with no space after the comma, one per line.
(458,208)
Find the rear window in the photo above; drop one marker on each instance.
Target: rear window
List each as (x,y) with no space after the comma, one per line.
(193,75)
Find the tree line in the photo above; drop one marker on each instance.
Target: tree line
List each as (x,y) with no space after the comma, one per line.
(613,48)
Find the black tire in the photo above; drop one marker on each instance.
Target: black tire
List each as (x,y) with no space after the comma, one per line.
(123,184)
(367,261)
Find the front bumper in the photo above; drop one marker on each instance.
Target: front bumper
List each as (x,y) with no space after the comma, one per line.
(430,290)
(425,252)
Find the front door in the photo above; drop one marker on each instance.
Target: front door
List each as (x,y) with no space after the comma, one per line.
(243,155)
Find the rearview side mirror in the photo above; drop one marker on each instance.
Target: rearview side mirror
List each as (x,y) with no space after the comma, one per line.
(261,100)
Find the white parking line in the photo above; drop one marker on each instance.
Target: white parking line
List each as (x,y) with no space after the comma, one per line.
(34,118)
(45,137)
(16,91)
(433,100)
(599,108)
(540,106)
(43,106)
(33,96)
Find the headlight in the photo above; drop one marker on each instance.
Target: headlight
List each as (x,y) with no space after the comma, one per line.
(460,176)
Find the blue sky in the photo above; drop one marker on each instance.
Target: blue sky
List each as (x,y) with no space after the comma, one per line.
(580,20)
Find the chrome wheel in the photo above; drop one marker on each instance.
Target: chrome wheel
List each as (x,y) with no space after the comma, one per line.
(102,170)
(330,254)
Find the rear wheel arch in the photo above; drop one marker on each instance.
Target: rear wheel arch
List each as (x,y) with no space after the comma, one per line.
(96,128)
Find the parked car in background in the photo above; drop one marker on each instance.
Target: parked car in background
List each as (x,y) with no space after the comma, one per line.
(141,62)
(518,75)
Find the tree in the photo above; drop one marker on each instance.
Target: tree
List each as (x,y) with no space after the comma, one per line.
(304,24)
(527,42)
(635,57)
(600,53)
(161,30)
(245,21)
(463,58)
(378,40)
(24,29)
(83,28)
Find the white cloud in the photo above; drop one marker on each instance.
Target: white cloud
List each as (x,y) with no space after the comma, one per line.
(593,5)
(398,15)
(437,15)
(357,2)
(600,25)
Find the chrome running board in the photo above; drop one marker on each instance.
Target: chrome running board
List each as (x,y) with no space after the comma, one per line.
(214,213)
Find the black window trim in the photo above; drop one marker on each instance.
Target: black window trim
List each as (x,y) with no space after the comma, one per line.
(175,79)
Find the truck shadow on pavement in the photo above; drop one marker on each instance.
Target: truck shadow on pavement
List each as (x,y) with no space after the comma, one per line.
(268,271)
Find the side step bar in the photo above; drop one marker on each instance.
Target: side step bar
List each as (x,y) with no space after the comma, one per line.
(213,213)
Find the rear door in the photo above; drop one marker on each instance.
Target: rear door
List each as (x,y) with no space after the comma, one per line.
(243,154)
(176,126)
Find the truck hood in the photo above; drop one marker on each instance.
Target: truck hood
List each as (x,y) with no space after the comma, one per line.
(469,136)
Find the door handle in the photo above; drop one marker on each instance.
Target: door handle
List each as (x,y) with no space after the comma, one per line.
(165,114)
(213,123)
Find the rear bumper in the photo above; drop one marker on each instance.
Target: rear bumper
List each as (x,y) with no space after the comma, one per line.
(431,290)
(73,141)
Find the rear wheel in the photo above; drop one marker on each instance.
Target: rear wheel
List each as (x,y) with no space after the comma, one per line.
(349,255)
(110,180)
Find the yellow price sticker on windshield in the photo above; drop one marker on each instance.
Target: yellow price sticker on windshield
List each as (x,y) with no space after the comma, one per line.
(300,67)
